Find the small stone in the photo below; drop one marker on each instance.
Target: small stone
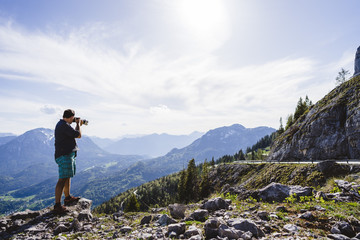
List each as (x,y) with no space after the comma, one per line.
(146,220)
(338,237)
(85,215)
(263,215)
(125,229)
(307,216)
(61,228)
(291,228)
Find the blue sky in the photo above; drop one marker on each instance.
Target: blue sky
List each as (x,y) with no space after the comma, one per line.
(155,66)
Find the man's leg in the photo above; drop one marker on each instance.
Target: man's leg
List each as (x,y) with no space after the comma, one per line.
(67,187)
(59,189)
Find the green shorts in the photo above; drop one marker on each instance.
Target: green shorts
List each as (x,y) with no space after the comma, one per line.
(67,165)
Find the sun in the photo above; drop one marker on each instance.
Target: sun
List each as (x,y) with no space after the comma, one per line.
(207,20)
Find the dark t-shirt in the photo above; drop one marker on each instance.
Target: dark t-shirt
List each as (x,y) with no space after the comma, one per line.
(65,142)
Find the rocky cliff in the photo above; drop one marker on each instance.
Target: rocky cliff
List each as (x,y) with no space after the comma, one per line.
(329,130)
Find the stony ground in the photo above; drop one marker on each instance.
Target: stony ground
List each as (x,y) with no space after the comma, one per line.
(300,216)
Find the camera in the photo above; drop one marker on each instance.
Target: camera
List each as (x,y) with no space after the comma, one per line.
(82,121)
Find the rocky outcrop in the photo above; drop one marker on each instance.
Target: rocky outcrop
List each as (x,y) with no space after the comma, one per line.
(45,224)
(357,63)
(276,192)
(217,218)
(329,130)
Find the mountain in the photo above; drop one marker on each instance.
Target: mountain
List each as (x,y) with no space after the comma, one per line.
(6,139)
(29,159)
(102,142)
(153,145)
(215,143)
(329,130)
(102,175)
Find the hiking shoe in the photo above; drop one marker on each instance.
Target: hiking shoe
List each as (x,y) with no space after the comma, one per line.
(70,199)
(59,209)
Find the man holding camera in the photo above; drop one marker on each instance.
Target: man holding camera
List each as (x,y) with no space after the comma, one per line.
(65,154)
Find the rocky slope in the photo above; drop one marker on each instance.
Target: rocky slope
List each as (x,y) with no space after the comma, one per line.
(271,212)
(329,130)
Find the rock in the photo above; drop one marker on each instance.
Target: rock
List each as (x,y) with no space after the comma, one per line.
(85,215)
(172,235)
(177,211)
(76,225)
(61,228)
(345,228)
(320,195)
(331,168)
(338,237)
(230,233)
(247,236)
(125,229)
(118,215)
(200,215)
(146,220)
(307,216)
(278,192)
(215,204)
(211,227)
(196,237)
(84,204)
(246,225)
(319,208)
(178,228)
(357,236)
(165,220)
(263,215)
(24,215)
(291,228)
(193,231)
(281,209)
(329,130)
(357,63)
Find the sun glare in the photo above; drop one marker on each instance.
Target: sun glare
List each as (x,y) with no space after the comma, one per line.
(205,19)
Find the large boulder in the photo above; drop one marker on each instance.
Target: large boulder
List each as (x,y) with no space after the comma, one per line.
(178,228)
(211,227)
(278,192)
(215,204)
(246,225)
(177,211)
(331,168)
(200,215)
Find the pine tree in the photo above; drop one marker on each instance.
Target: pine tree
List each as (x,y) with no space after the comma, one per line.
(132,204)
(241,155)
(191,184)
(281,128)
(212,163)
(205,183)
(289,122)
(181,186)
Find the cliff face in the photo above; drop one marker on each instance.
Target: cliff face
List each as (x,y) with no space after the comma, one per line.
(329,130)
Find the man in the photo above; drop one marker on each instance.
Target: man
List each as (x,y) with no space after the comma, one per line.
(65,154)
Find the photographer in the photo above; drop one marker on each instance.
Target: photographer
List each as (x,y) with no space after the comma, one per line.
(65,154)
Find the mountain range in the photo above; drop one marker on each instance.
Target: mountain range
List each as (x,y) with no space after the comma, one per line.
(153,145)
(28,172)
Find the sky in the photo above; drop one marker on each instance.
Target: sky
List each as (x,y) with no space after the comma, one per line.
(159,66)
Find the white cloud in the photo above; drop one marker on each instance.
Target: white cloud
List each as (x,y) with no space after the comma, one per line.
(191,92)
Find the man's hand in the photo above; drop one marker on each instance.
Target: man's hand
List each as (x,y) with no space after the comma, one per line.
(78,121)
